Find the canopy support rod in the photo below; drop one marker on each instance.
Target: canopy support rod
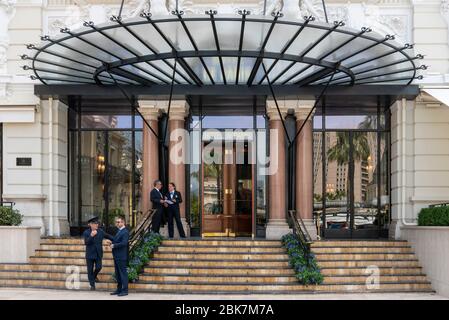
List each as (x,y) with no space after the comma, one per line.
(363,30)
(276,103)
(121,8)
(407,46)
(189,35)
(276,16)
(181,61)
(242,32)
(217,43)
(150,48)
(95,46)
(133,105)
(325,10)
(313,108)
(304,53)
(118,43)
(169,106)
(289,43)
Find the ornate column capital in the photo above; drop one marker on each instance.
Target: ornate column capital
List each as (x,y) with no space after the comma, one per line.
(179,109)
(303,108)
(149,109)
(272,111)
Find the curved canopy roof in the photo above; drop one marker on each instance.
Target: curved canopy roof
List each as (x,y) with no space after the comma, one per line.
(216,49)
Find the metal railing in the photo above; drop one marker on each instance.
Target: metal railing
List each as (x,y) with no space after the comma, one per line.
(7,204)
(300,231)
(439,205)
(142,227)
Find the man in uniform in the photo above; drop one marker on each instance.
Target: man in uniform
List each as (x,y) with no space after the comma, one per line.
(93,239)
(119,245)
(158,201)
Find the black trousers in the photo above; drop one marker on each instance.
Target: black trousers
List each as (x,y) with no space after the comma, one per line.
(174,213)
(157,219)
(91,272)
(121,275)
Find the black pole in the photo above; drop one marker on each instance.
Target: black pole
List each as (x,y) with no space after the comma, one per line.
(325,11)
(121,8)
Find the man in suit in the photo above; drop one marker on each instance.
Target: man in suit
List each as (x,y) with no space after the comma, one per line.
(173,199)
(158,201)
(93,239)
(119,245)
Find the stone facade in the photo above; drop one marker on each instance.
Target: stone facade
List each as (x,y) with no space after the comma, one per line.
(37,129)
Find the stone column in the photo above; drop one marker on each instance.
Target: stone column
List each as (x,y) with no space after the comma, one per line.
(304,166)
(177,155)
(150,169)
(7,12)
(277,223)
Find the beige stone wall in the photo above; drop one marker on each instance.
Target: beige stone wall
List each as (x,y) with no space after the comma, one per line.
(420,158)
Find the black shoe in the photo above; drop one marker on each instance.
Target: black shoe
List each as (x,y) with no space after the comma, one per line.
(97,280)
(115,293)
(92,288)
(122,294)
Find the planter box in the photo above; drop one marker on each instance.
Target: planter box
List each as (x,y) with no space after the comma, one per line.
(18,243)
(431,245)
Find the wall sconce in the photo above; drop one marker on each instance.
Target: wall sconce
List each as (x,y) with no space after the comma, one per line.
(101,167)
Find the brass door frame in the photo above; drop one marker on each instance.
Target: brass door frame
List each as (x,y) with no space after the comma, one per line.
(227,232)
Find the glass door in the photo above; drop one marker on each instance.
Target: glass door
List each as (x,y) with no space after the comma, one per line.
(351,190)
(227,190)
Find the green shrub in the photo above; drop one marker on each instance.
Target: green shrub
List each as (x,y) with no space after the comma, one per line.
(436,216)
(10,217)
(305,266)
(141,254)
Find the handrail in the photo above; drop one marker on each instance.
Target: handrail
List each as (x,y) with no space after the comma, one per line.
(300,231)
(436,205)
(10,204)
(141,229)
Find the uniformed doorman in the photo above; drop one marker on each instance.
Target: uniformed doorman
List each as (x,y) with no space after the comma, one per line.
(93,238)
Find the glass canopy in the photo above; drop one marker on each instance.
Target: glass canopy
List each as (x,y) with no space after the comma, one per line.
(221,49)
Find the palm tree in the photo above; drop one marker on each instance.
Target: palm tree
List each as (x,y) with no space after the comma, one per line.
(340,152)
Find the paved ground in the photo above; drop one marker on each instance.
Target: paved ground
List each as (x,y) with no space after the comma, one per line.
(41,294)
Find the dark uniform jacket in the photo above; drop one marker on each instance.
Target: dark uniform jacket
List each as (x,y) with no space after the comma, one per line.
(120,242)
(156,197)
(177,197)
(94,245)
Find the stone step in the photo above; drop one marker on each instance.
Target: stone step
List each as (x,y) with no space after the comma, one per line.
(223,249)
(364,256)
(335,250)
(217,263)
(221,278)
(384,271)
(50,267)
(227,288)
(220,243)
(220,256)
(224,278)
(103,277)
(280,271)
(67,254)
(66,261)
(61,241)
(359,243)
(68,247)
(382,278)
(367,263)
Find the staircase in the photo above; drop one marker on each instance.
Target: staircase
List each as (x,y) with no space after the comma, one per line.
(229,266)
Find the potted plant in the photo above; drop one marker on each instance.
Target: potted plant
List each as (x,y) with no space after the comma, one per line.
(18,242)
